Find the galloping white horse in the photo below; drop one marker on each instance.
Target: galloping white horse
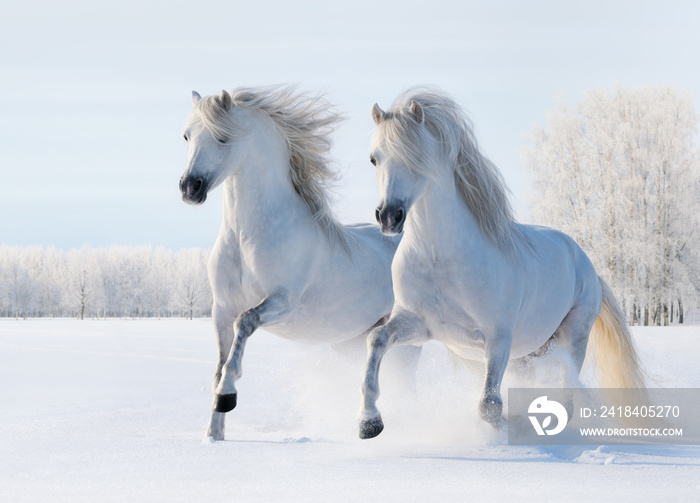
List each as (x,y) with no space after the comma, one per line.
(281,260)
(466,274)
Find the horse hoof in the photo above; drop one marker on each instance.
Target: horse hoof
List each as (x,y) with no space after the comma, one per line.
(370,428)
(225,403)
(491,409)
(212,437)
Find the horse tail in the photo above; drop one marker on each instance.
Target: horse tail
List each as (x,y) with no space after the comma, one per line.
(610,346)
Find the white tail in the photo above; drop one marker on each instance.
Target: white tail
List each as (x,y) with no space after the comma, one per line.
(611,349)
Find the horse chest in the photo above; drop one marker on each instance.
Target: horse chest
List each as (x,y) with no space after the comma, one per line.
(436,289)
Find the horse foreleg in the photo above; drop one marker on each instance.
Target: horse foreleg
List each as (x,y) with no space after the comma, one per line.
(497,353)
(223,325)
(270,310)
(404,328)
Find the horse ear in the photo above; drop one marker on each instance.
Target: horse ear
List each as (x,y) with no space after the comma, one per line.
(225,99)
(195,97)
(416,111)
(377,114)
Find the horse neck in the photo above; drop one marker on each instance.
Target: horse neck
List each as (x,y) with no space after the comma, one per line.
(442,216)
(262,184)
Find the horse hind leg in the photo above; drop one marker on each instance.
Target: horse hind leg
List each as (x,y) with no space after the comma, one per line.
(573,333)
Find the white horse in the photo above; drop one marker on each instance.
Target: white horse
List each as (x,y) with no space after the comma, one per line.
(281,260)
(466,274)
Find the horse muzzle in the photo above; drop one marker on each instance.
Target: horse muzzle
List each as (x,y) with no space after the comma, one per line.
(390,218)
(193,189)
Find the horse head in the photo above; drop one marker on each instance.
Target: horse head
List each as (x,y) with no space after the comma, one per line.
(401,148)
(211,153)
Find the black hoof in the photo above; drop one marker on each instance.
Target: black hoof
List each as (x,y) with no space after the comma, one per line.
(370,428)
(225,403)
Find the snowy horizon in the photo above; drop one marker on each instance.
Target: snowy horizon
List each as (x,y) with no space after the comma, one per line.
(94,96)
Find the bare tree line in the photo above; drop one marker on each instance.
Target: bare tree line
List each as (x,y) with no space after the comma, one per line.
(112,282)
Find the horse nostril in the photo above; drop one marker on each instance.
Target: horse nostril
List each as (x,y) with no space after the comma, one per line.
(197,185)
(399,216)
(376,216)
(180,184)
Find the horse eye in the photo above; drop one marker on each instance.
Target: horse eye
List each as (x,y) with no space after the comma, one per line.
(185,137)
(373,160)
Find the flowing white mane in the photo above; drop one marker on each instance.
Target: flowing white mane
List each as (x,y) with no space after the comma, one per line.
(306,121)
(477,178)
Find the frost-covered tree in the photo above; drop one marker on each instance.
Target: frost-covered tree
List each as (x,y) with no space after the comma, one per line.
(124,280)
(83,279)
(51,279)
(17,283)
(5,281)
(191,282)
(137,263)
(160,280)
(619,172)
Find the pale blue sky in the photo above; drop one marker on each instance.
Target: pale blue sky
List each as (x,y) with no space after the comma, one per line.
(93,95)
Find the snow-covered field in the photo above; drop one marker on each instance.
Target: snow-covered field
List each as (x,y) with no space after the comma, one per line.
(116,411)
